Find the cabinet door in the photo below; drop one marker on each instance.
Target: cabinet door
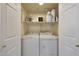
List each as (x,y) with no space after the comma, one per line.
(10,25)
(68,29)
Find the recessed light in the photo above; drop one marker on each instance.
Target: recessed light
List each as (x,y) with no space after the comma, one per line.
(41,3)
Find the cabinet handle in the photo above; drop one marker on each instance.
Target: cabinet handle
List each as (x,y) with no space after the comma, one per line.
(77,45)
(4,46)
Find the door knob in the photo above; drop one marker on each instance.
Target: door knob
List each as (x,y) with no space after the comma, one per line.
(77,45)
(4,46)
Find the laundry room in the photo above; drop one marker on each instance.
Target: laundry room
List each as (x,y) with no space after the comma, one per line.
(39,29)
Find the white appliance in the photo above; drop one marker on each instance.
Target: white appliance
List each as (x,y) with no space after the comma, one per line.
(39,45)
(48,44)
(30,45)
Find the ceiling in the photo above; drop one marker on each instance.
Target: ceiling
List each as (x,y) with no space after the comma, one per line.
(36,8)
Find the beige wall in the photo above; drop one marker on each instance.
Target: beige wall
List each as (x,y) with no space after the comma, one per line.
(43,27)
(55,29)
(23,25)
(37,27)
(35,16)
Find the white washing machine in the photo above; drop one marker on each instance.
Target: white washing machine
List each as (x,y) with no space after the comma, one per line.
(30,45)
(44,44)
(48,44)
